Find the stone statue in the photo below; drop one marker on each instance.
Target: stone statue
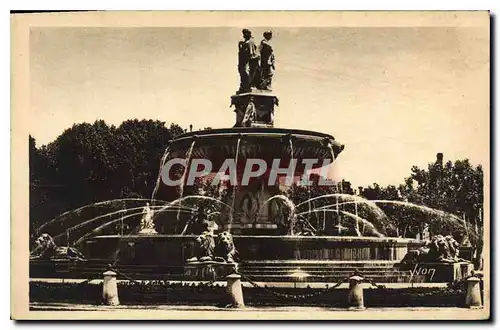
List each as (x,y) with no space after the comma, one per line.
(198,223)
(246,115)
(441,249)
(225,248)
(256,66)
(250,114)
(46,249)
(147,225)
(248,62)
(205,248)
(454,248)
(267,63)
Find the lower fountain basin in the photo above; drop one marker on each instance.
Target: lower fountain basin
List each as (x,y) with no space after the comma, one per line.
(267,259)
(175,249)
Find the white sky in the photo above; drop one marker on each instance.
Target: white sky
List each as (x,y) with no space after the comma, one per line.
(394,96)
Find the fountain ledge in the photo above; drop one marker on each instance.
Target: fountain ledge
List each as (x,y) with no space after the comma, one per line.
(288,238)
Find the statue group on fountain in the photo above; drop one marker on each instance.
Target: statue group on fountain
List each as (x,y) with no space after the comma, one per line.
(256,64)
(214,247)
(440,249)
(218,248)
(199,223)
(209,245)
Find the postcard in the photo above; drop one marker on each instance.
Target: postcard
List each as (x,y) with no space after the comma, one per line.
(251,165)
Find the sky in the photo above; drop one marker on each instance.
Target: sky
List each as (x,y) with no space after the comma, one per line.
(394,96)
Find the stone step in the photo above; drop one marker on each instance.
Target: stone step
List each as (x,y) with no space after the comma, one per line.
(317,263)
(241,265)
(129,275)
(178,270)
(135,267)
(154,272)
(314,267)
(325,277)
(333,279)
(319,272)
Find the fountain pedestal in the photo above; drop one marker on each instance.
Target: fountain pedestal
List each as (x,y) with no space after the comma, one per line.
(434,272)
(207,271)
(148,231)
(255,108)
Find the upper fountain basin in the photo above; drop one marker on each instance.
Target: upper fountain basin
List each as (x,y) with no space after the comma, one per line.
(256,142)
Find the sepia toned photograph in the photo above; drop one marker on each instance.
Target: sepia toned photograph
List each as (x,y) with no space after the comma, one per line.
(251,165)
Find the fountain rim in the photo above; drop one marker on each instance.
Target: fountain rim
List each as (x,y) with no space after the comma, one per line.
(285,237)
(256,131)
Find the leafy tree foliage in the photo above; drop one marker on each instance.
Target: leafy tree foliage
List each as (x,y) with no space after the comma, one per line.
(455,188)
(443,198)
(95,162)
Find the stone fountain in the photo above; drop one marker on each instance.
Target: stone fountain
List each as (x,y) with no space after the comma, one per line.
(264,251)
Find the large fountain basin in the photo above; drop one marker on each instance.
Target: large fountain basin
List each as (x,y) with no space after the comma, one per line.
(175,249)
(269,259)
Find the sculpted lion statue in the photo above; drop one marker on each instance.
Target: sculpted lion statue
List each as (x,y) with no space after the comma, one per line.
(46,249)
(214,248)
(443,249)
(205,248)
(439,250)
(225,247)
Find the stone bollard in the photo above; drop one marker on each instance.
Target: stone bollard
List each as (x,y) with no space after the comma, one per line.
(110,289)
(473,297)
(234,290)
(355,297)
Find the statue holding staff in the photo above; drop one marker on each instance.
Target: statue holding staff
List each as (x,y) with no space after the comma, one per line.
(267,63)
(248,62)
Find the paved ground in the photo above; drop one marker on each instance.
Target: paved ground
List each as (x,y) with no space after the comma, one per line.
(165,312)
(168,312)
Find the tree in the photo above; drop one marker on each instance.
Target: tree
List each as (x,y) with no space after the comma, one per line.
(39,173)
(406,220)
(95,162)
(456,188)
(141,146)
